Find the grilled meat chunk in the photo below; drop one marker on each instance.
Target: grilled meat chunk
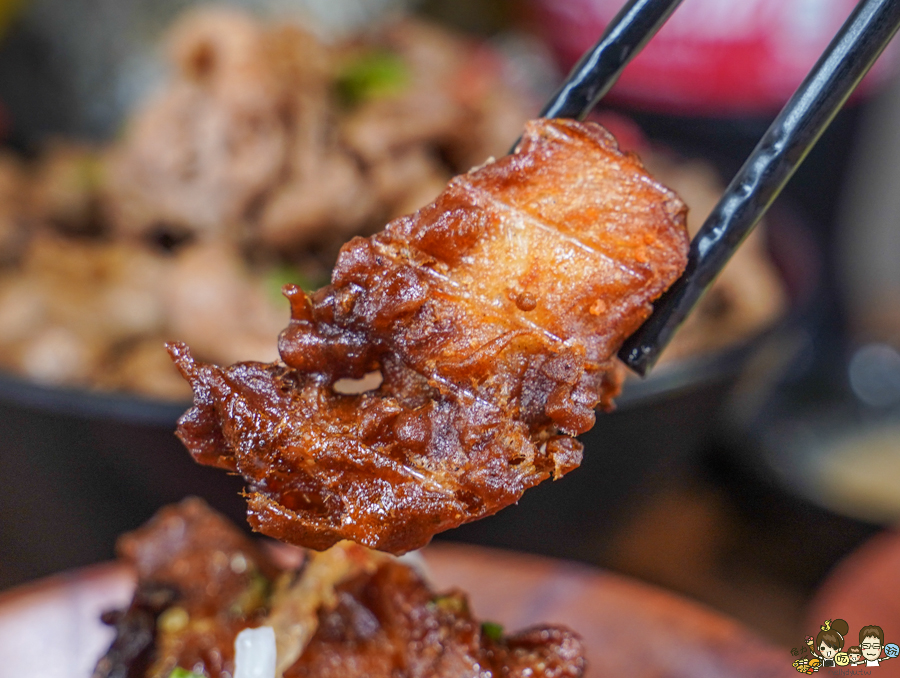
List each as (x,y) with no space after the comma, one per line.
(389,623)
(346,612)
(493,316)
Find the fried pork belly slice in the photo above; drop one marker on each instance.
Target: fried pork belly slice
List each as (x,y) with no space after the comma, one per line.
(200,582)
(493,315)
(389,623)
(348,611)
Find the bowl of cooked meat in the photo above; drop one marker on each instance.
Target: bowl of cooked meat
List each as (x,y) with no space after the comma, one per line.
(242,178)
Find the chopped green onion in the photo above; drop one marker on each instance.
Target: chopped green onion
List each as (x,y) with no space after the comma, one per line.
(179,672)
(374,74)
(453,603)
(492,630)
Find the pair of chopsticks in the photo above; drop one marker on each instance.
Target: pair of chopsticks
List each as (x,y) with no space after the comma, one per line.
(766,171)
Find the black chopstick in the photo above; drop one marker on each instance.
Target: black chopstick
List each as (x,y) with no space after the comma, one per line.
(778,154)
(598,69)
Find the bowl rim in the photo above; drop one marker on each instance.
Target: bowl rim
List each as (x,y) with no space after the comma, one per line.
(663,382)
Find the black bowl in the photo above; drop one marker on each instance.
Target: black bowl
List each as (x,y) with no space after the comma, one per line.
(82,467)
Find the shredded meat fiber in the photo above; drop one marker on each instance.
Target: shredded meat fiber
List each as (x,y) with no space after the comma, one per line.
(493,316)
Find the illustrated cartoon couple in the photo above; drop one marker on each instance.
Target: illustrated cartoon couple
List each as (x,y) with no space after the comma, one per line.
(828,646)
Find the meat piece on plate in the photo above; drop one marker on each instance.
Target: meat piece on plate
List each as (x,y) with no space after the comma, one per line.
(200,581)
(493,316)
(389,623)
(346,612)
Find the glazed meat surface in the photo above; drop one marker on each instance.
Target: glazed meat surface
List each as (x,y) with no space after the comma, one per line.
(387,623)
(493,316)
(346,612)
(199,582)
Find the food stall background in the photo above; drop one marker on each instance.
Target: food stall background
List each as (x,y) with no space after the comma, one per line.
(739,478)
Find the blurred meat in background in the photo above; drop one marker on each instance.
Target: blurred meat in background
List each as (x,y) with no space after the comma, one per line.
(264,150)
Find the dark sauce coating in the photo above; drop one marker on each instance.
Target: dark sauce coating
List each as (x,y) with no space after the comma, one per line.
(493,315)
(217,582)
(377,619)
(133,649)
(194,549)
(390,624)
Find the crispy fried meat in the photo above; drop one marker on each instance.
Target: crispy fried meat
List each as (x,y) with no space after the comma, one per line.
(347,612)
(493,316)
(217,582)
(389,623)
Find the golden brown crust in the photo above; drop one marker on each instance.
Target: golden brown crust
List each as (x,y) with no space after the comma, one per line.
(388,623)
(493,315)
(348,612)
